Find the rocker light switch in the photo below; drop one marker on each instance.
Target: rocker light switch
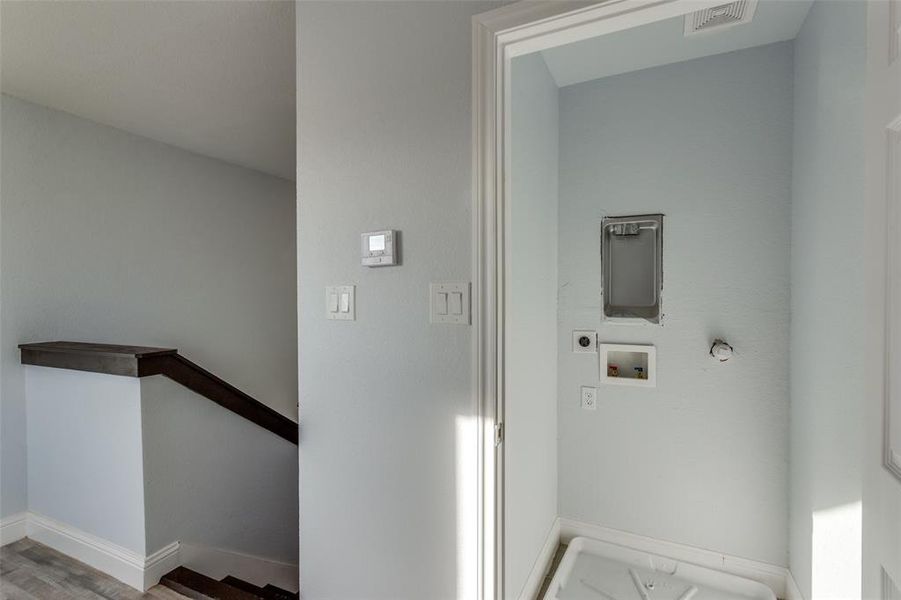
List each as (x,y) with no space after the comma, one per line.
(339,303)
(441,303)
(449,303)
(455,303)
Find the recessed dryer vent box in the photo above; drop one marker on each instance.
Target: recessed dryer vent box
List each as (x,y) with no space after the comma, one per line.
(632,268)
(628,364)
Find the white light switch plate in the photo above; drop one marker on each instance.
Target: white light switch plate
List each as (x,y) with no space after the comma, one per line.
(589,398)
(449,303)
(340,303)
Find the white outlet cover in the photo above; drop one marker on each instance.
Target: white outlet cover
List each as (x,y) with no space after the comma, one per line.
(591,348)
(589,398)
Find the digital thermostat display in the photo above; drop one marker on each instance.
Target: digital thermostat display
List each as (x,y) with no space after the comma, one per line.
(378,248)
(376,242)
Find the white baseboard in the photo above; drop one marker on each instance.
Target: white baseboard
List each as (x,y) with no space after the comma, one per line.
(137,570)
(542,562)
(161,562)
(13,528)
(217,563)
(772,576)
(130,567)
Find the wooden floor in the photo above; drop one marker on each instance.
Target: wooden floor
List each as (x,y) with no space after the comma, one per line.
(32,571)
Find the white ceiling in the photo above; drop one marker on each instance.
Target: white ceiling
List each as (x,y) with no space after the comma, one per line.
(664,43)
(213,77)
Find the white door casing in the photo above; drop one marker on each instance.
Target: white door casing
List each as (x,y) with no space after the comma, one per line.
(886,84)
(881,569)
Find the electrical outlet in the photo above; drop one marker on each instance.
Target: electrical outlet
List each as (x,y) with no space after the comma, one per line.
(589,398)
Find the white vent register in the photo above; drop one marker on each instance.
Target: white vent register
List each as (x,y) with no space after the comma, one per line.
(720,17)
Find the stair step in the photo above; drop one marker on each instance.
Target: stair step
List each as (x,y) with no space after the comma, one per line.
(243,585)
(277,593)
(200,587)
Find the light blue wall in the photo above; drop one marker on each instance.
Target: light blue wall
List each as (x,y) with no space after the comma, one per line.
(530,469)
(212,478)
(827,281)
(703,458)
(111,237)
(85,453)
(384,140)
(142,463)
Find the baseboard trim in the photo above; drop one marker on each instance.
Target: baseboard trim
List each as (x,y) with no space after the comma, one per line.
(13,528)
(161,562)
(772,576)
(217,563)
(542,562)
(131,568)
(137,570)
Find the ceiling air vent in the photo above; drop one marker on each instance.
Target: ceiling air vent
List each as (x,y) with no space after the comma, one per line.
(719,17)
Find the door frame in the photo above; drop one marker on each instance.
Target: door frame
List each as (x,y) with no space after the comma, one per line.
(498,36)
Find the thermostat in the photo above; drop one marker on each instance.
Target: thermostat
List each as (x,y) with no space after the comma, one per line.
(378,248)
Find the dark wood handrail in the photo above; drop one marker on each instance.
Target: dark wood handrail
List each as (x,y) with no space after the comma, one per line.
(143,361)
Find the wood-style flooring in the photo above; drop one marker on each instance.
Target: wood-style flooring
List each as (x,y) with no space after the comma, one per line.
(32,571)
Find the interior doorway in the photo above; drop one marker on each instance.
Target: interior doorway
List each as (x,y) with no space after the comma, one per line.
(667,430)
